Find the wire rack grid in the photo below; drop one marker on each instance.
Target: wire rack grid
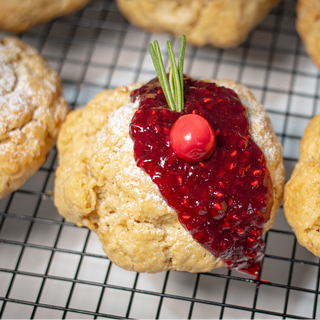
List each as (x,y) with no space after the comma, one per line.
(51,269)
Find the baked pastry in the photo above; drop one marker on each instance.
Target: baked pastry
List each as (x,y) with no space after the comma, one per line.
(302,200)
(308,27)
(99,185)
(32,110)
(221,23)
(120,176)
(18,16)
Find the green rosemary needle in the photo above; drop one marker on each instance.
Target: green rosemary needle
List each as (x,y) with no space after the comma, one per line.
(172,88)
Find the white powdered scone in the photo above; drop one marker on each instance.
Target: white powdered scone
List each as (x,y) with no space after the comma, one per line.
(302,191)
(99,185)
(308,27)
(20,15)
(32,110)
(221,23)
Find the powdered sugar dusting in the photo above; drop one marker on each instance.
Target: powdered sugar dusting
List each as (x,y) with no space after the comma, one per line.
(21,87)
(7,79)
(118,119)
(118,122)
(15,106)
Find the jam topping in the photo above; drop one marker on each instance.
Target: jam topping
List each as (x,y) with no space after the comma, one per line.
(223,201)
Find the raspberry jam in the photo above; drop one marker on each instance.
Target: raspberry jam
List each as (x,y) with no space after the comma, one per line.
(223,201)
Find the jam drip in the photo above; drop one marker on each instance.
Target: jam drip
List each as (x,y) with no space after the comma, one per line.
(223,201)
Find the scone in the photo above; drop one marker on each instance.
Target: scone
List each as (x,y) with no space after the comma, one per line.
(308,27)
(99,183)
(32,109)
(302,191)
(18,16)
(221,23)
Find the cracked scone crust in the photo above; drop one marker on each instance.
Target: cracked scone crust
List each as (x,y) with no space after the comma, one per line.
(32,110)
(222,23)
(20,15)
(98,185)
(308,27)
(302,191)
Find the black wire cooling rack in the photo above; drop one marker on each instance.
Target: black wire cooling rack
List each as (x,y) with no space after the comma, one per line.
(51,269)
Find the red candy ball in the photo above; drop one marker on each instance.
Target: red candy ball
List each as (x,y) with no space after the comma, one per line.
(192,138)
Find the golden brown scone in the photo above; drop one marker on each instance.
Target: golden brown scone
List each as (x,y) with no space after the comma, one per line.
(310,142)
(32,109)
(302,191)
(302,204)
(308,27)
(20,15)
(99,185)
(221,23)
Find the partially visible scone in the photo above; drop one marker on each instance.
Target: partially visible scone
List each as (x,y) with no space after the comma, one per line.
(99,185)
(302,191)
(18,16)
(308,27)
(32,109)
(221,23)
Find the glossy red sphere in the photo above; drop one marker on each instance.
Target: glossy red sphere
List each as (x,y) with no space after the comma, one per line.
(192,138)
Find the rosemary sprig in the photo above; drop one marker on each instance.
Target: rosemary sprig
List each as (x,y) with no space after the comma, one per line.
(172,88)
